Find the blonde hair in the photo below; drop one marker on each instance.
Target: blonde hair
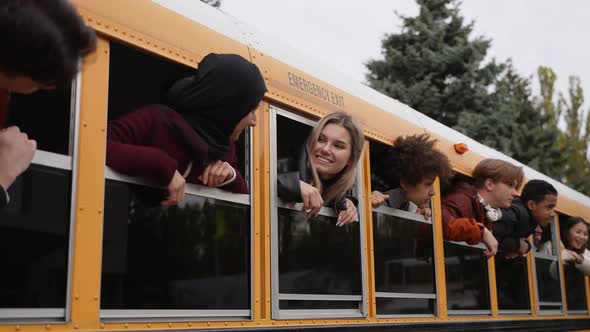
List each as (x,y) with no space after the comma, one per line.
(498,171)
(347,175)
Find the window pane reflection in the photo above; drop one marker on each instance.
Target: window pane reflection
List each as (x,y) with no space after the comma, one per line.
(389,306)
(195,256)
(316,256)
(403,255)
(547,282)
(512,284)
(467,278)
(34,240)
(298,304)
(575,286)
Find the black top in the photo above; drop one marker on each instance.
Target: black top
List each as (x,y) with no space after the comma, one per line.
(516,223)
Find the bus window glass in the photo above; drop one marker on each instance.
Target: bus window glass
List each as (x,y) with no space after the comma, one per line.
(191,256)
(575,287)
(466,272)
(405,306)
(35,224)
(512,284)
(316,257)
(319,264)
(179,261)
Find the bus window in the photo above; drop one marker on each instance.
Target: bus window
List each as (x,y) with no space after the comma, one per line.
(46,117)
(466,271)
(315,264)
(188,260)
(512,285)
(574,278)
(35,228)
(404,252)
(547,276)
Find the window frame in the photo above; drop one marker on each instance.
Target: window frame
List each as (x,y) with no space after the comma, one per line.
(67,163)
(554,258)
(408,217)
(466,312)
(275,204)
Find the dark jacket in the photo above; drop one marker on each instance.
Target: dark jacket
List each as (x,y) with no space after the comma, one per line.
(142,143)
(463,216)
(516,223)
(291,171)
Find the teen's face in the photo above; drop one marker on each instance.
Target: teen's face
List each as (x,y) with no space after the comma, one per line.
(502,194)
(21,84)
(332,151)
(247,121)
(420,193)
(544,211)
(578,236)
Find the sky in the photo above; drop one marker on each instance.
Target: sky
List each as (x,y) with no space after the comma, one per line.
(345,34)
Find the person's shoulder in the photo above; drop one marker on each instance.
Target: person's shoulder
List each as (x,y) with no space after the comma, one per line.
(459,194)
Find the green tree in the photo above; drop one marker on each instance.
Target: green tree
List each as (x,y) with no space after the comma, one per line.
(576,136)
(214,3)
(435,65)
(573,140)
(515,126)
(545,103)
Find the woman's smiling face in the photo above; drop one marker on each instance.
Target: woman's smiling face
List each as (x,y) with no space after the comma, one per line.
(331,152)
(578,236)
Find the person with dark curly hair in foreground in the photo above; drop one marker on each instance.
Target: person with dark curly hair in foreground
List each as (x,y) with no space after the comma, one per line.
(42,41)
(410,167)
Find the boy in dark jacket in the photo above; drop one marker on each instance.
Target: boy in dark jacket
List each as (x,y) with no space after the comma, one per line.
(534,208)
(469,211)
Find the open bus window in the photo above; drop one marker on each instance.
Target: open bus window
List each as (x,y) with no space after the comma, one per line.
(188,260)
(573,275)
(46,117)
(35,226)
(512,285)
(466,270)
(404,252)
(316,265)
(547,275)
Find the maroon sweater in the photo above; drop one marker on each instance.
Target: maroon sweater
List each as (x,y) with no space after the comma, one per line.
(141,144)
(463,217)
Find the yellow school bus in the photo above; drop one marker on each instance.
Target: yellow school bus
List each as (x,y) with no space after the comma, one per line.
(88,249)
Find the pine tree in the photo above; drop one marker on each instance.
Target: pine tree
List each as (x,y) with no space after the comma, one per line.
(435,65)
(515,127)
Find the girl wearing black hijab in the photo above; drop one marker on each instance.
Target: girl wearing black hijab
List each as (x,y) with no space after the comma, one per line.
(191,138)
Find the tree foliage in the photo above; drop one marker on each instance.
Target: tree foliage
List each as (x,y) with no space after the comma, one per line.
(573,140)
(435,65)
(515,126)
